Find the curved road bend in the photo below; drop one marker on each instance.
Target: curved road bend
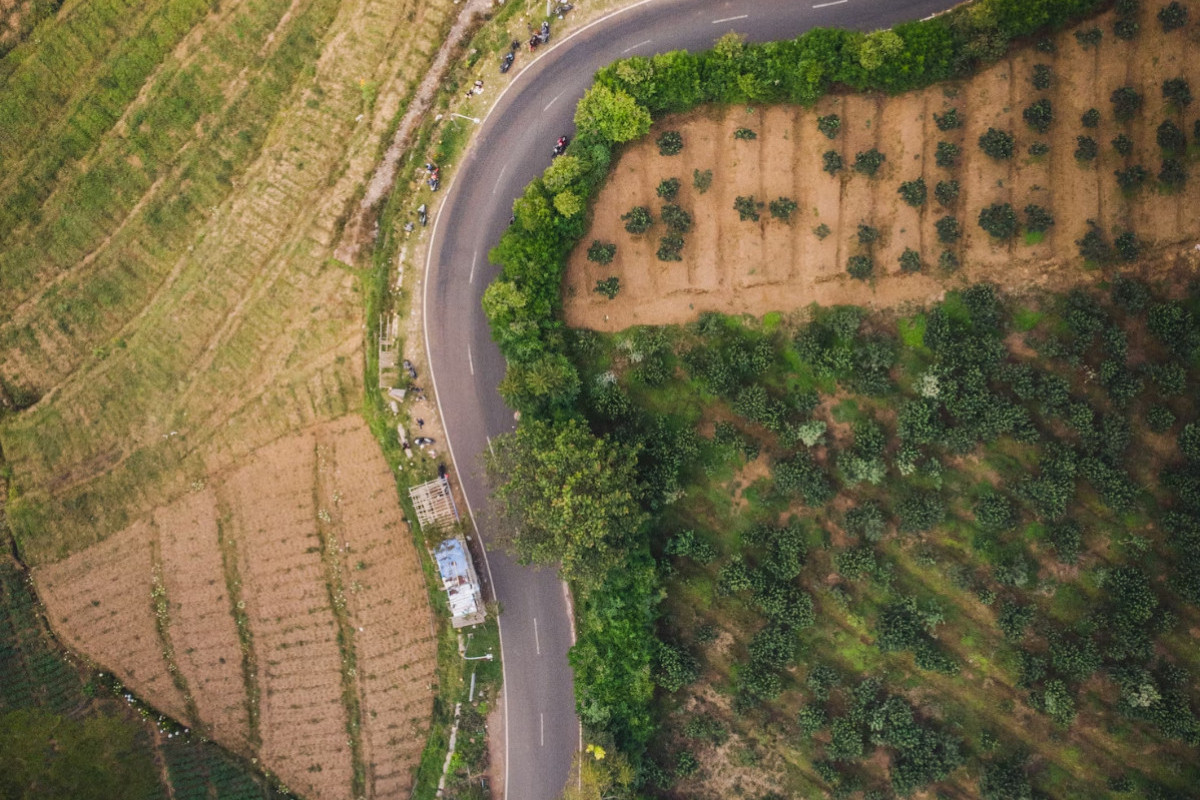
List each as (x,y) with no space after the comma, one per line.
(513,147)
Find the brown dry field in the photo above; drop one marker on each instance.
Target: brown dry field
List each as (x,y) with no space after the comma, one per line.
(746,267)
(251,537)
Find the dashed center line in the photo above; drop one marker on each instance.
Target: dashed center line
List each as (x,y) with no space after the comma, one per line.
(474,261)
(833,3)
(547,108)
(470,361)
(729,19)
(500,178)
(537,642)
(542,722)
(636,46)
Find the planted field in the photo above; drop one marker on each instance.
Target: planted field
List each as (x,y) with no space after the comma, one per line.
(923,202)
(280,609)
(173,178)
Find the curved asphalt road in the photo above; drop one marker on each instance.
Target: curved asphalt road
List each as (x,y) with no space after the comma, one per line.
(513,147)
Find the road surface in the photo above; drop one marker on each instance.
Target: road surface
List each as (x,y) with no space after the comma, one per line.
(513,146)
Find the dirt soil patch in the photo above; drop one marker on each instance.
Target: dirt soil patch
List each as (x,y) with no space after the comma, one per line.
(258,623)
(734,266)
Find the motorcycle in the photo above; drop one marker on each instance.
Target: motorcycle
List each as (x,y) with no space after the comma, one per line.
(561,9)
(560,146)
(422,215)
(507,62)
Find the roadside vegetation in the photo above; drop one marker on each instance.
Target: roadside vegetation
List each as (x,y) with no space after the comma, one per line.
(843,551)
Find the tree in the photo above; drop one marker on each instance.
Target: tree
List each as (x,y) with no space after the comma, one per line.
(1042,74)
(1173,174)
(674,667)
(667,189)
(877,48)
(670,143)
(747,208)
(1131,178)
(946,192)
(947,155)
(948,230)
(948,121)
(860,267)
(999,220)
(1086,148)
(1005,780)
(1177,92)
(562,172)
(670,248)
(920,511)
(675,218)
(609,287)
(867,234)
(1039,116)
(997,144)
(910,260)
(832,161)
(613,114)
(567,496)
(568,203)
(1127,102)
(1171,138)
(1090,118)
(783,208)
(1122,144)
(1172,16)
(829,125)
(638,219)
(1037,218)
(913,192)
(866,520)
(868,162)
(601,252)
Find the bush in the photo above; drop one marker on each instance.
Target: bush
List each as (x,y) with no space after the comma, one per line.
(608,287)
(688,544)
(1037,218)
(1172,16)
(1039,116)
(1127,102)
(1122,144)
(913,192)
(948,121)
(1067,540)
(868,162)
(1094,246)
(1132,178)
(745,134)
(947,155)
(1086,148)
(822,231)
(670,248)
(783,208)
(1089,38)
(1090,118)
(1039,149)
(702,180)
(1173,174)
(946,192)
(997,144)
(638,219)
(667,189)
(999,220)
(867,234)
(676,218)
(947,261)
(747,208)
(832,161)
(866,520)
(829,125)
(601,252)
(910,260)
(1042,75)
(860,267)
(670,143)
(1177,92)
(1013,619)
(948,230)
(920,511)
(1171,138)
(995,513)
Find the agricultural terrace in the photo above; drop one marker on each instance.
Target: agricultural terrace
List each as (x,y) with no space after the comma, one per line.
(279,608)
(175,336)
(805,180)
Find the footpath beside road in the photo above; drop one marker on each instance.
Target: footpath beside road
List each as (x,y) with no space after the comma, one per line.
(512,147)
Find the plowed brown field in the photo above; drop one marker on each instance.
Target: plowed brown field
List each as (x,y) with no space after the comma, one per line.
(304,547)
(737,266)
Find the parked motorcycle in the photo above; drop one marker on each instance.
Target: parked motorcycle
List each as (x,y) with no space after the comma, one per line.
(422,215)
(507,62)
(561,9)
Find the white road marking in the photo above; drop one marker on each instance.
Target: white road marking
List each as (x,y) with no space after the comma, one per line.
(470,361)
(474,260)
(636,46)
(492,449)
(547,108)
(834,3)
(537,642)
(497,186)
(729,19)
(542,718)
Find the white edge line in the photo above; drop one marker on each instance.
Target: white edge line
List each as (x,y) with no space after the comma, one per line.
(636,46)
(833,3)
(735,19)
(449,444)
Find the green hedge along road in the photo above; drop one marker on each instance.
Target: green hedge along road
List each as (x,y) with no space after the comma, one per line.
(541,731)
